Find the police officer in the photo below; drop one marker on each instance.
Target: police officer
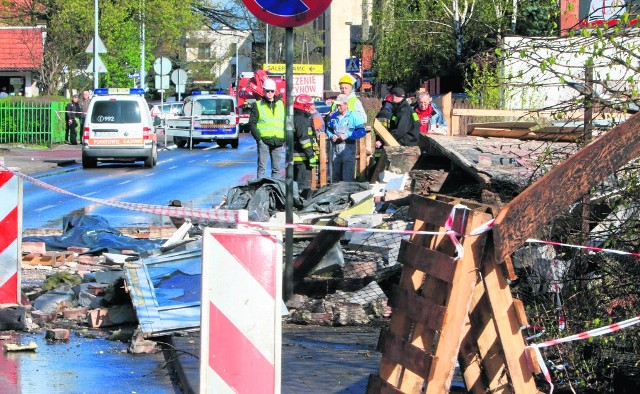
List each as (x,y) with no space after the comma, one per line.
(71,115)
(305,154)
(266,123)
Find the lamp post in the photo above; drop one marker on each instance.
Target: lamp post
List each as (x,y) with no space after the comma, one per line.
(95,45)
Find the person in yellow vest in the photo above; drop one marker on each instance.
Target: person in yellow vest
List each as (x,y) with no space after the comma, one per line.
(266,123)
(355,105)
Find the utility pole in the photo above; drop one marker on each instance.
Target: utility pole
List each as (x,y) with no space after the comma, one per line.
(143,76)
(95,45)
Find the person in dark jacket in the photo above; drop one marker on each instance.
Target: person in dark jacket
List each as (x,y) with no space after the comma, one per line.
(266,123)
(404,126)
(71,115)
(304,144)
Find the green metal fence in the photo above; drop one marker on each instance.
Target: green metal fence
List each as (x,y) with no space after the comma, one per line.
(31,122)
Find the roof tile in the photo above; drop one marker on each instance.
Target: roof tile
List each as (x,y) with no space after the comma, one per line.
(21,48)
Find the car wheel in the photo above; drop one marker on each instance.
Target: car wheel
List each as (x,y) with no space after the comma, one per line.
(89,162)
(151,161)
(180,143)
(234,143)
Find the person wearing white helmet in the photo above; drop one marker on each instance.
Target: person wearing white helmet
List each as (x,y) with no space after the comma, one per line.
(345,85)
(266,123)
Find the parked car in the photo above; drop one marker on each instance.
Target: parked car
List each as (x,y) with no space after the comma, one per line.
(323,108)
(119,127)
(161,111)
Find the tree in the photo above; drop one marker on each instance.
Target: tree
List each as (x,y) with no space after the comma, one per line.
(69,29)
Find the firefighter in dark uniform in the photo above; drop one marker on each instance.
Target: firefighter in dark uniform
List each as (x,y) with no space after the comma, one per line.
(305,146)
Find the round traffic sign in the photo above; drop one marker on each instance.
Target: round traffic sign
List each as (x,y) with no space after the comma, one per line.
(290,13)
(179,76)
(162,66)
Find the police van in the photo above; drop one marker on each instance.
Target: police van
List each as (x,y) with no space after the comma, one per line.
(118,127)
(205,117)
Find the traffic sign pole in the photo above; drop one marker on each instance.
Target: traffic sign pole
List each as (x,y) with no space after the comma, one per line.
(288,240)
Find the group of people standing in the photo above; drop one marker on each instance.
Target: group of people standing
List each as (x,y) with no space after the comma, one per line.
(344,127)
(405,121)
(74,115)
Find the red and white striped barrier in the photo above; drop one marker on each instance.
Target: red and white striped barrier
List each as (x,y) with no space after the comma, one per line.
(611,328)
(10,237)
(240,330)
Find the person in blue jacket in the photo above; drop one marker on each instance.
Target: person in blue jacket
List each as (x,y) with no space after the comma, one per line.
(344,128)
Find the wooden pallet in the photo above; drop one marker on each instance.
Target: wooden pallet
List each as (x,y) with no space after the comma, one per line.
(446,309)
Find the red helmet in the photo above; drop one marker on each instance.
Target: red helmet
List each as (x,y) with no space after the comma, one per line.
(302,102)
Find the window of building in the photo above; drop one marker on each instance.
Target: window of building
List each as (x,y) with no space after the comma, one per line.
(204,51)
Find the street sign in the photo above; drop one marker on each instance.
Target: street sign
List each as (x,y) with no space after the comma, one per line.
(310,84)
(162,82)
(179,77)
(100,48)
(290,13)
(100,67)
(134,75)
(281,68)
(352,65)
(162,66)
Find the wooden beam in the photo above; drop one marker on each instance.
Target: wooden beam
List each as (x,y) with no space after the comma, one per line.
(384,134)
(447,108)
(555,191)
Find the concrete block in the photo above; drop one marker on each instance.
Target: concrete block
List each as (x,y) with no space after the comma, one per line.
(51,302)
(97,288)
(75,313)
(42,318)
(140,345)
(78,249)
(57,334)
(34,247)
(359,197)
(108,277)
(117,314)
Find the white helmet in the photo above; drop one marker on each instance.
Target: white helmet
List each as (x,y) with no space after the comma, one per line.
(269,84)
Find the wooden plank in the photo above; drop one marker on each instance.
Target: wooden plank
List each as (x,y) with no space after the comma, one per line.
(447,107)
(418,308)
(555,191)
(509,125)
(323,160)
(506,323)
(498,132)
(501,112)
(403,352)
(458,302)
(375,385)
(520,312)
(433,263)
(384,134)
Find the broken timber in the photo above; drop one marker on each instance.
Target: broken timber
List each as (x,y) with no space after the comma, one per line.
(574,176)
(444,310)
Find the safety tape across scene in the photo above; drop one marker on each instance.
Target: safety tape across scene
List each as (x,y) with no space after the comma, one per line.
(235,216)
(219,215)
(611,328)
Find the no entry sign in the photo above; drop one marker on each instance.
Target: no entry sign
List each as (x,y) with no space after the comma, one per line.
(289,13)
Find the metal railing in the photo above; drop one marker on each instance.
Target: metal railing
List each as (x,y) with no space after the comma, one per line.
(31,122)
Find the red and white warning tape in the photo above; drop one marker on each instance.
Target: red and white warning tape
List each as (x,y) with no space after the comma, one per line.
(611,328)
(219,215)
(239,217)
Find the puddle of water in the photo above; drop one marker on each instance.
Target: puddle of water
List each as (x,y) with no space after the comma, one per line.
(81,365)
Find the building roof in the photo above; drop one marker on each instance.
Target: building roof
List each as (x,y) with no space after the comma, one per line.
(21,48)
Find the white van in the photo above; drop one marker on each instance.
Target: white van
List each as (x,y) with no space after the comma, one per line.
(119,127)
(205,117)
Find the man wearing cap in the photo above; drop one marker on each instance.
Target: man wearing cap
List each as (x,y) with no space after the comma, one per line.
(72,113)
(355,105)
(266,123)
(404,126)
(344,128)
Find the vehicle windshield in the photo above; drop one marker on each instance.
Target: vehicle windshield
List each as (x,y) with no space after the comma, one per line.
(212,106)
(119,111)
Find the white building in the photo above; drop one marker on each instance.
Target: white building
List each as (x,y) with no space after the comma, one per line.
(218,47)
